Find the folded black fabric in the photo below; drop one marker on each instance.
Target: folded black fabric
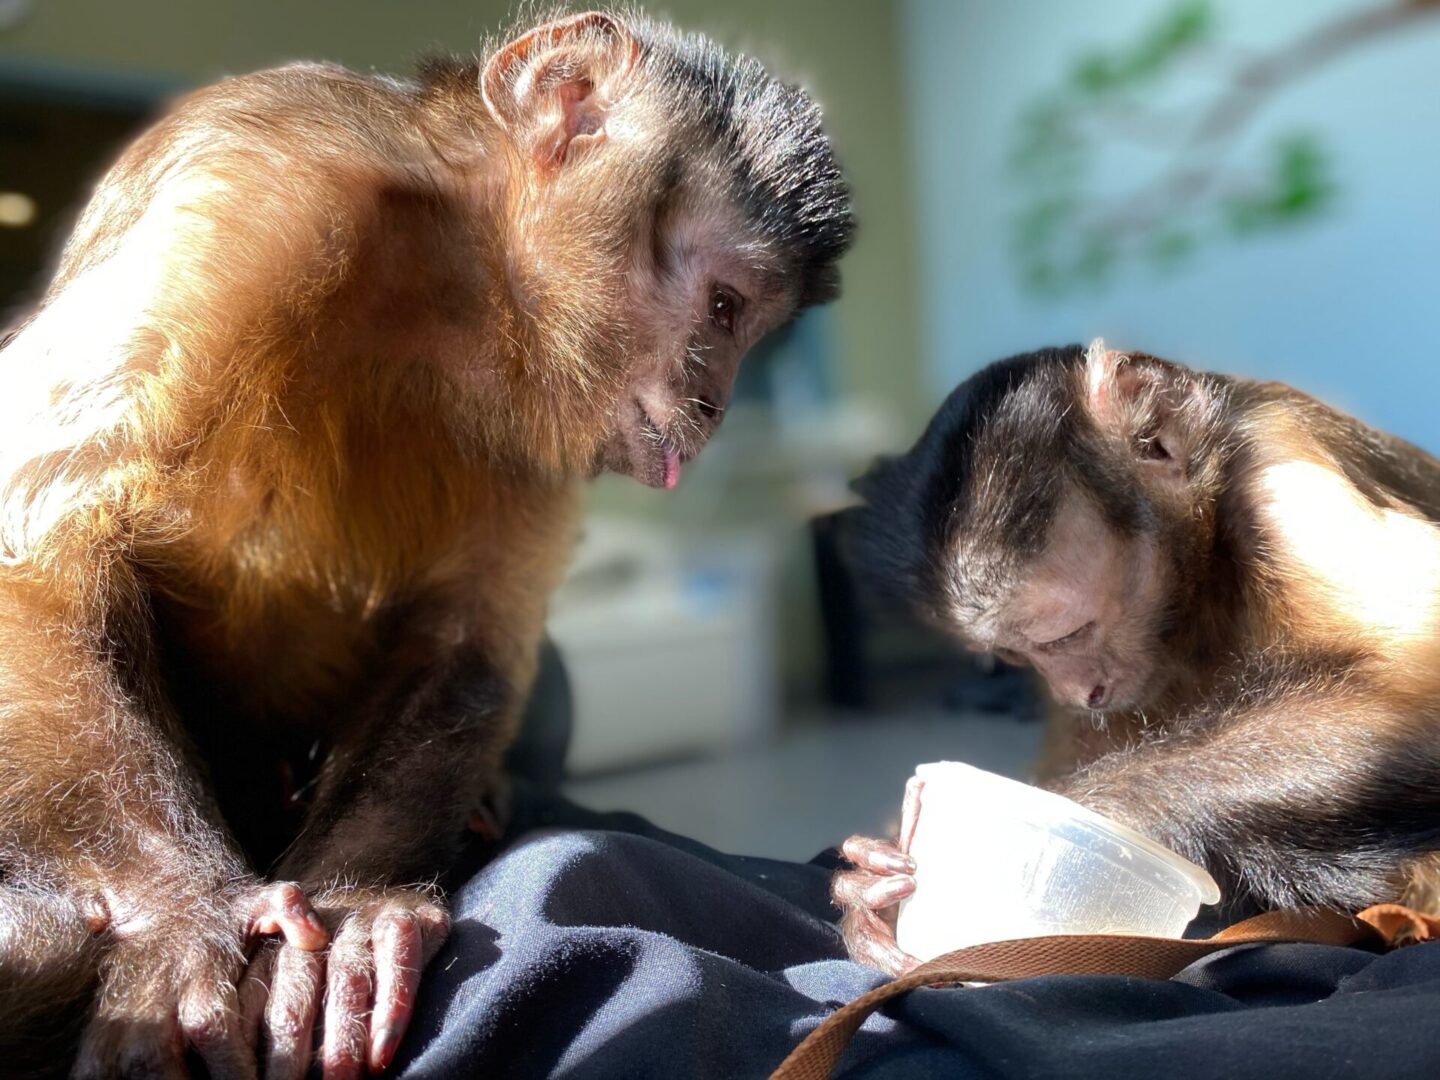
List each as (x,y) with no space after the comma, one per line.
(599,946)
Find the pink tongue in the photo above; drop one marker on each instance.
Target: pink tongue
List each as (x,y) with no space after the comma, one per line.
(672,469)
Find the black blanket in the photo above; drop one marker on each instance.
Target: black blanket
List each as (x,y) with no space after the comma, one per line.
(599,946)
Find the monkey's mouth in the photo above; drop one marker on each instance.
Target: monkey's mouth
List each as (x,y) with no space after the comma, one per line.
(1123,694)
(661,466)
(642,449)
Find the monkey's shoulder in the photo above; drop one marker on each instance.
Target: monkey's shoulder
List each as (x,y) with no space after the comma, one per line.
(1357,565)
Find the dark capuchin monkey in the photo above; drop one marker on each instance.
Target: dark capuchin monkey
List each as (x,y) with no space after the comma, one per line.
(1232,591)
(289,458)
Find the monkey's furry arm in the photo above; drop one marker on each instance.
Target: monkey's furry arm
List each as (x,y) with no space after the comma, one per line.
(390,812)
(101,809)
(1301,788)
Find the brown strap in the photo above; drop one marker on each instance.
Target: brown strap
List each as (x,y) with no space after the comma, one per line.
(1099,954)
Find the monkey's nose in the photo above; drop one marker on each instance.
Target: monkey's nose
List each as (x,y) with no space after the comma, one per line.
(1096,698)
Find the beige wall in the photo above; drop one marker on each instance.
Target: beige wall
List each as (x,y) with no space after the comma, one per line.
(845,50)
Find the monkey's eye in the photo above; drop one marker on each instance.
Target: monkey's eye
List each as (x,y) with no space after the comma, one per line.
(1069,639)
(724,307)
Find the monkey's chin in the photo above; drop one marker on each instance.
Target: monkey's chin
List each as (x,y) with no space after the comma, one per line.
(640,455)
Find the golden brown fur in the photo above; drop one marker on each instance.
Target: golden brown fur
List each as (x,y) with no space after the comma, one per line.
(289,458)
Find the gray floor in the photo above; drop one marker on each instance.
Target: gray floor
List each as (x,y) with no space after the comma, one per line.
(814,787)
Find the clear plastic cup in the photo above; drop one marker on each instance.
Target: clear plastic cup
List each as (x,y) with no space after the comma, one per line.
(997,859)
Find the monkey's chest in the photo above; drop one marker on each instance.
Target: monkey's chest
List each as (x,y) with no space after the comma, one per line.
(290,665)
(263,706)
(264,782)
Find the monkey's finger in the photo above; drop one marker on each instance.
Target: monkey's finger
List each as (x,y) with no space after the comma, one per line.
(398,958)
(209,1016)
(880,856)
(254,992)
(872,942)
(887,892)
(434,929)
(848,887)
(347,1001)
(290,1013)
(909,813)
(874,892)
(282,908)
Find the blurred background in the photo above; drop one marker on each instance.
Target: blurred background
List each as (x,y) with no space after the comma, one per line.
(1245,187)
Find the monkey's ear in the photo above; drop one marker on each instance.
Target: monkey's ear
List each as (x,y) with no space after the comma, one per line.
(551,87)
(1142,402)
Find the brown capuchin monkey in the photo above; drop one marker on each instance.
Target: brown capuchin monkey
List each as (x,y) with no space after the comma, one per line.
(289,458)
(1231,589)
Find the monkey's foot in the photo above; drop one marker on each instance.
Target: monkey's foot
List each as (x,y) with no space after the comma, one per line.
(168,981)
(368,981)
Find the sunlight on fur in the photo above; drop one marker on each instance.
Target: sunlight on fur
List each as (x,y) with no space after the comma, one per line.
(1381,567)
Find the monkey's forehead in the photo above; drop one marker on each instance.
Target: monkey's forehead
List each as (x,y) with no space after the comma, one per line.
(978,586)
(780,165)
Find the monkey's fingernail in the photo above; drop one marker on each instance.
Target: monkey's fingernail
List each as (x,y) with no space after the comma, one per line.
(386,1042)
(897,863)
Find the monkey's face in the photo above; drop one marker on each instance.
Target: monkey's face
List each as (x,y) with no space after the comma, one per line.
(655,235)
(694,288)
(698,302)
(1089,613)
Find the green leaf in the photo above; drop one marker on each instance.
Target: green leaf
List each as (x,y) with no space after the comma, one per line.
(1299,187)
(1036,226)
(1040,276)
(1098,253)
(1095,74)
(1186,25)
(1170,245)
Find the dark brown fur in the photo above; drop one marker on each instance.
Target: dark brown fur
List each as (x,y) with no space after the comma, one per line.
(1288,737)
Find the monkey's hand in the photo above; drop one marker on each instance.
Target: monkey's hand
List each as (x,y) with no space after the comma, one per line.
(381,939)
(168,982)
(868,896)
